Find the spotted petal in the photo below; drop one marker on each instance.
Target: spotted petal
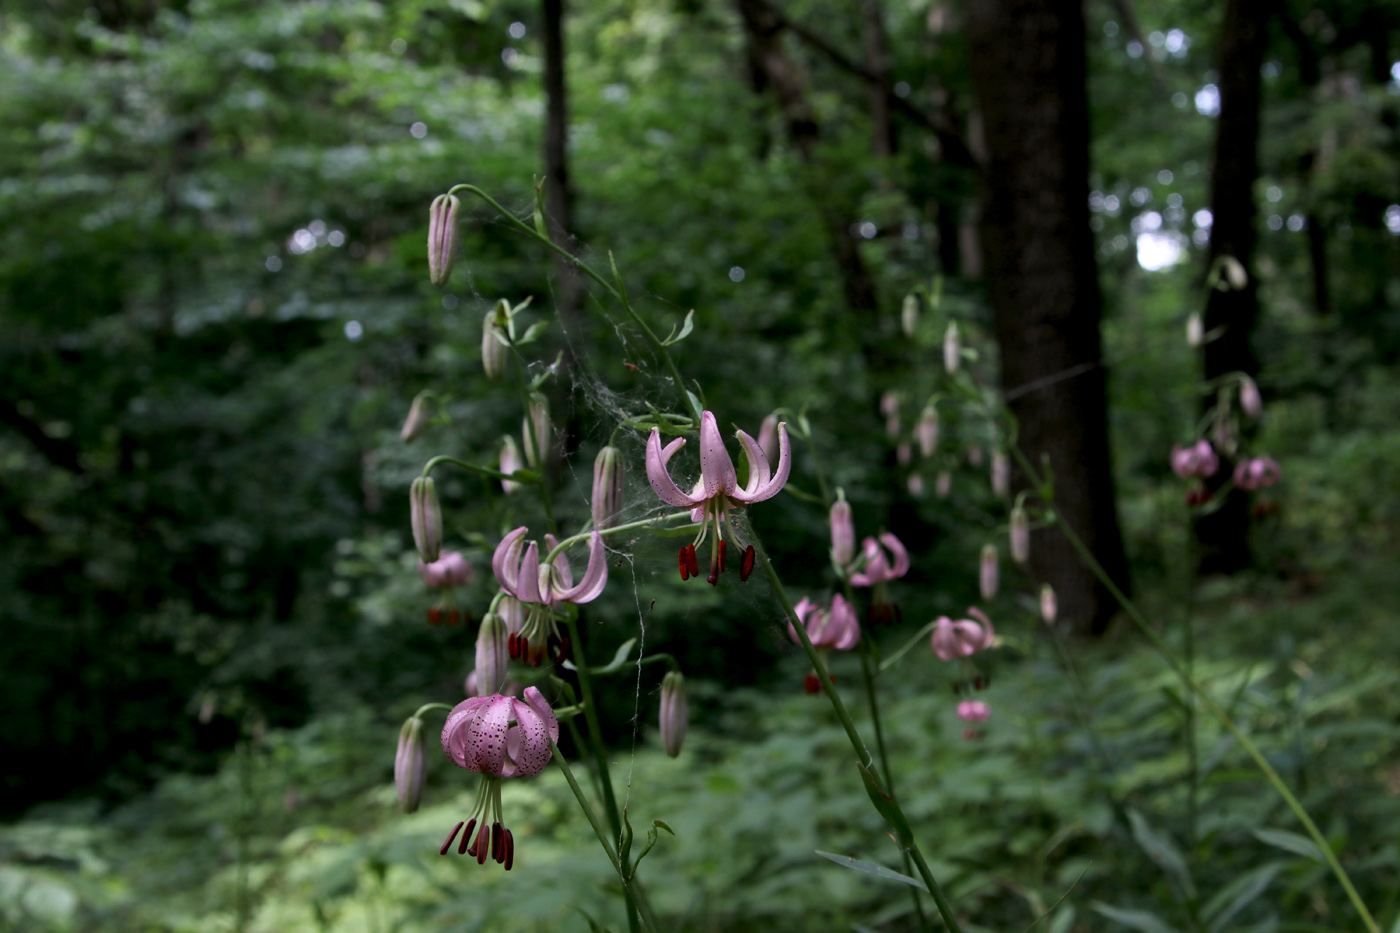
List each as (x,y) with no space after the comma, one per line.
(527,743)
(660,479)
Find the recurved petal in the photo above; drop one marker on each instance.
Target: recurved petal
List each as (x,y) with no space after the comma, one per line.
(843,627)
(535,726)
(454,734)
(776,482)
(661,482)
(988,633)
(486,736)
(801,609)
(594,578)
(505,562)
(716,469)
(944,640)
(759,470)
(565,578)
(901,556)
(527,587)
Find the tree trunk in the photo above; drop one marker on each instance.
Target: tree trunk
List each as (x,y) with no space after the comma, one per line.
(1028,71)
(1223,534)
(883,141)
(559,193)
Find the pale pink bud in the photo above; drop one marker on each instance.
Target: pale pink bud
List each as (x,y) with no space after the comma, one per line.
(974,711)
(943,484)
(675,713)
(1250,401)
(492,655)
(889,407)
(909,315)
(768,437)
(609,473)
(843,534)
(410,765)
(975,455)
(536,430)
(926,431)
(952,348)
(1020,535)
(510,462)
(1049,605)
(442,238)
(915,484)
(417,420)
(1001,474)
(425,516)
(1195,330)
(989,575)
(903,453)
(494,353)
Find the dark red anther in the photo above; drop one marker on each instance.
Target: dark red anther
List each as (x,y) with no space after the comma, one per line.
(510,850)
(453,617)
(482,844)
(450,836)
(467,838)
(524,646)
(746,565)
(433,615)
(1198,495)
(513,646)
(691,562)
(563,648)
(498,844)
(812,684)
(977,683)
(684,564)
(723,546)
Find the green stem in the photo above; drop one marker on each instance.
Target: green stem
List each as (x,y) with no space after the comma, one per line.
(616,529)
(618,294)
(526,477)
(629,886)
(843,715)
(1189,680)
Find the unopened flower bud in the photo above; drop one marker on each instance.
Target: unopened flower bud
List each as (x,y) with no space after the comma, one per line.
(609,473)
(510,462)
(843,534)
(425,515)
(768,437)
(675,713)
(442,238)
(410,765)
(1250,402)
(1020,535)
(1001,474)
(915,482)
(989,575)
(1235,275)
(926,431)
(492,654)
(952,348)
(536,430)
(909,315)
(494,353)
(417,420)
(943,484)
(1049,606)
(975,455)
(1195,330)
(889,407)
(903,453)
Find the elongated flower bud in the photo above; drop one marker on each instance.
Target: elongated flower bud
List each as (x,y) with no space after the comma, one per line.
(889,407)
(1250,402)
(410,765)
(609,473)
(492,655)
(843,534)
(1195,330)
(536,430)
(510,462)
(943,484)
(1049,606)
(952,348)
(417,420)
(926,431)
(675,713)
(442,238)
(425,515)
(989,576)
(909,315)
(1020,535)
(1001,474)
(493,353)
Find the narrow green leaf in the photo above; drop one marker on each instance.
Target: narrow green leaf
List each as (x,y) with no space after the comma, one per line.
(687,326)
(1133,919)
(1290,842)
(532,333)
(870,868)
(1160,848)
(886,807)
(1237,895)
(662,825)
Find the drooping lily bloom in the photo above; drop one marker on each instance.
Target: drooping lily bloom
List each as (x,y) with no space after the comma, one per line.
(717,490)
(1197,460)
(974,711)
(837,629)
(1256,473)
(965,637)
(541,587)
(448,572)
(876,568)
(497,737)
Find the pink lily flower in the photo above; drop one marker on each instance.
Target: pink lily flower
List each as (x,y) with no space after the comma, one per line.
(963,638)
(1197,460)
(877,569)
(542,587)
(717,490)
(974,711)
(448,572)
(836,629)
(1256,473)
(497,737)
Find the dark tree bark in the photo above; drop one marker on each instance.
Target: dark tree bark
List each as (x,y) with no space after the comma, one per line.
(1310,77)
(883,140)
(1223,534)
(1028,70)
(559,193)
